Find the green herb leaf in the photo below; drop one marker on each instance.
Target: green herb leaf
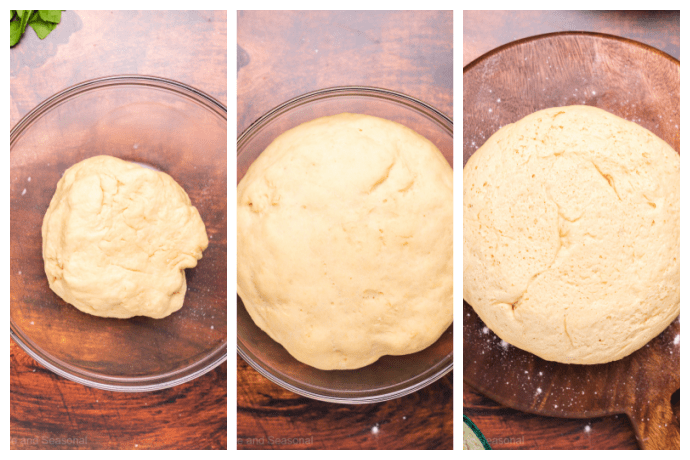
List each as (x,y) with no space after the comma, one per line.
(41,27)
(53,16)
(42,21)
(26,15)
(15,33)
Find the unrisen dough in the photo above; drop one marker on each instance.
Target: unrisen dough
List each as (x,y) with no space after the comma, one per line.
(117,238)
(345,241)
(571,233)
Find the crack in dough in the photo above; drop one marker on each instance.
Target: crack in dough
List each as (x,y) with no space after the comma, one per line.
(565,329)
(383,178)
(608,178)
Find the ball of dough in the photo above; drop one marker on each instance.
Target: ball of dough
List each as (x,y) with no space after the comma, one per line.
(571,235)
(117,238)
(345,241)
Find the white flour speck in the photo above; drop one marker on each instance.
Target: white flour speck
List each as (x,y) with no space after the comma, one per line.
(538,391)
(211,327)
(676,341)
(588,429)
(485,330)
(375,429)
(29,178)
(20,272)
(24,192)
(504,344)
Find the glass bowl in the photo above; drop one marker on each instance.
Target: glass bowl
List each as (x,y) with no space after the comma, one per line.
(391,376)
(156,122)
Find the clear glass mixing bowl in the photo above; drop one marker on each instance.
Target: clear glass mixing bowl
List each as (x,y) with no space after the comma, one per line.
(391,376)
(156,122)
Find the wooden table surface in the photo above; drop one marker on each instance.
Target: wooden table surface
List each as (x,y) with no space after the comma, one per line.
(281,55)
(48,411)
(486,30)
(483,31)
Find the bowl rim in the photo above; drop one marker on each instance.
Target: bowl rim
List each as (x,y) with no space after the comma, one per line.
(444,122)
(125,385)
(90,379)
(335,91)
(113,80)
(566,33)
(395,393)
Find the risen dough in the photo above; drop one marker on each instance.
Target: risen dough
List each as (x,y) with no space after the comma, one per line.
(571,232)
(117,238)
(345,241)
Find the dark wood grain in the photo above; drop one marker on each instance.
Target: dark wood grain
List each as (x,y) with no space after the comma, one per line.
(268,415)
(189,47)
(640,385)
(285,54)
(512,429)
(49,412)
(636,83)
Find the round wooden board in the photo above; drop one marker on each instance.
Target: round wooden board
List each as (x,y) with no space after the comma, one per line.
(635,82)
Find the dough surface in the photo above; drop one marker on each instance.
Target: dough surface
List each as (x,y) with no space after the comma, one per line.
(345,241)
(117,238)
(571,234)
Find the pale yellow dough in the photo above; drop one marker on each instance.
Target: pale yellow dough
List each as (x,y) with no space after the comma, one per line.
(117,238)
(345,241)
(571,235)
